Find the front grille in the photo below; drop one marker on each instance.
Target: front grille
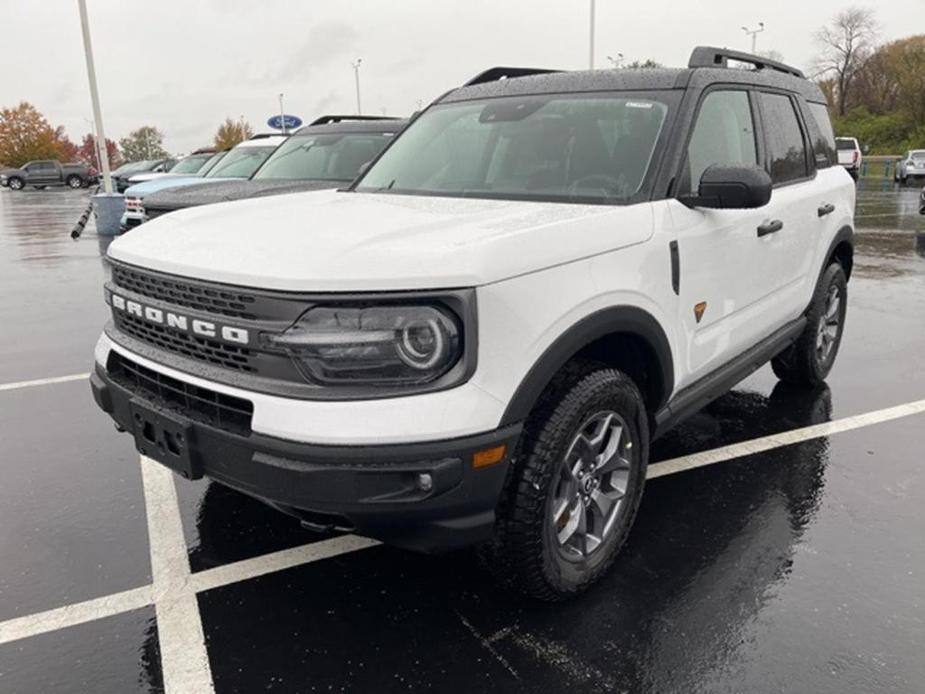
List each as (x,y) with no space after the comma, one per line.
(224,301)
(200,404)
(184,344)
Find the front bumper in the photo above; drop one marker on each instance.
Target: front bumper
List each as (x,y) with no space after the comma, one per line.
(374,490)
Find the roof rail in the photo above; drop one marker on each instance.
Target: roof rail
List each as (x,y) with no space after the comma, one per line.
(324,120)
(708,56)
(500,73)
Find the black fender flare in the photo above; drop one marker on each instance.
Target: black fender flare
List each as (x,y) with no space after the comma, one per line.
(846,233)
(616,319)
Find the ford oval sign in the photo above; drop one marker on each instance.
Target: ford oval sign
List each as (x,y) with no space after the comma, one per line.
(286,122)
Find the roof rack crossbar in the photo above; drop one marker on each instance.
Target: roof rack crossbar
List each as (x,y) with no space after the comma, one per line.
(500,73)
(324,120)
(709,56)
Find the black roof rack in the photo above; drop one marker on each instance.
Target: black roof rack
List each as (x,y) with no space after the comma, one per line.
(324,120)
(708,56)
(501,73)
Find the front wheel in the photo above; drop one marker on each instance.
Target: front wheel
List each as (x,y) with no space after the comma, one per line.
(574,488)
(16,183)
(810,359)
(74,182)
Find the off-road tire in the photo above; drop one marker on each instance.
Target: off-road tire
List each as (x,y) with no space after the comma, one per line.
(801,364)
(524,553)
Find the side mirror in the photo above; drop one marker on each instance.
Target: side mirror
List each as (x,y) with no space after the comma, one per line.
(731,187)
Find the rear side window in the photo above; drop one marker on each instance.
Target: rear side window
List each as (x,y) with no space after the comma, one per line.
(786,149)
(723,134)
(824,141)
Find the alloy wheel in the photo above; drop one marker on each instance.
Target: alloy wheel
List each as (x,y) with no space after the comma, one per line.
(829,326)
(588,492)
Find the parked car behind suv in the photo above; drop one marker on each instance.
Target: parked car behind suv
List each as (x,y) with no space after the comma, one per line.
(328,153)
(849,155)
(240,162)
(121,176)
(195,166)
(476,342)
(190,165)
(48,172)
(912,165)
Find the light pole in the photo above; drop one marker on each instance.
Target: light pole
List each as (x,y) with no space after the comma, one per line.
(94,93)
(96,144)
(591,38)
(282,115)
(754,34)
(616,62)
(356,77)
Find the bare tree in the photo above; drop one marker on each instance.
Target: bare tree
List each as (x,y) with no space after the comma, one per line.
(844,46)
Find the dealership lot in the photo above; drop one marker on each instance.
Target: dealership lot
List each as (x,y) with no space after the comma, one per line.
(786,564)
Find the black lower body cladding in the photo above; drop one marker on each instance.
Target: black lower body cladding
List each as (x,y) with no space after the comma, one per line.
(422,496)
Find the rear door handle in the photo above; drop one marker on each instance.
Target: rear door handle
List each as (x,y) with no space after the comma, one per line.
(828,208)
(771,227)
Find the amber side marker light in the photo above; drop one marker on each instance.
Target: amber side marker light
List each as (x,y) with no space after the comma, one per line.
(490,456)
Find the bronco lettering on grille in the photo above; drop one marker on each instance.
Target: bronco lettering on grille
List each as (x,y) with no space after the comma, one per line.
(177,321)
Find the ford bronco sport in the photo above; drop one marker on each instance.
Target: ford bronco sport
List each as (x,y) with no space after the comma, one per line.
(475,342)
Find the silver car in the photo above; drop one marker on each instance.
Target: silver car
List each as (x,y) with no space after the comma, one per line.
(910,166)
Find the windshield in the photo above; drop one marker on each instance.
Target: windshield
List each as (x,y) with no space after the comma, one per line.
(241,162)
(190,164)
(212,163)
(842,144)
(323,157)
(564,147)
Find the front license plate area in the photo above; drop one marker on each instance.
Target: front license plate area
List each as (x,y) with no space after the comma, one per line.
(166,438)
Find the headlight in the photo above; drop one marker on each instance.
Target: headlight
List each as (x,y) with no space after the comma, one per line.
(375,345)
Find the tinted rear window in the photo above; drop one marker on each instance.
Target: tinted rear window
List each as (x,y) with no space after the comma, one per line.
(786,149)
(824,141)
(844,144)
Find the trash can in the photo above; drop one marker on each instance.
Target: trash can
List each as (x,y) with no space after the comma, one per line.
(108,208)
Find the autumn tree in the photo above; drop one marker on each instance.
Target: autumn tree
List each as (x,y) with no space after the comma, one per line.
(68,151)
(231,132)
(844,47)
(26,135)
(147,142)
(87,152)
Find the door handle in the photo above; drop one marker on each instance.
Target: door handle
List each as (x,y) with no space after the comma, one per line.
(828,208)
(771,227)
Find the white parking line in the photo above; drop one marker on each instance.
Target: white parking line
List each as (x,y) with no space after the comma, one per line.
(77,613)
(786,438)
(16,385)
(184,659)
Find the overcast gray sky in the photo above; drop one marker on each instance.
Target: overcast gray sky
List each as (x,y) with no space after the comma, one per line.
(186,65)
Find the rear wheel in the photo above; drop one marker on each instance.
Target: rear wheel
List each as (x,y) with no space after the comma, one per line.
(574,488)
(810,359)
(74,182)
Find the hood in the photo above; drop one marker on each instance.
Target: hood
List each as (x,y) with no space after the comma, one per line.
(227,190)
(142,190)
(336,241)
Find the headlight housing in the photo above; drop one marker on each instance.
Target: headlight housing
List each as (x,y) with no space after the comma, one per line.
(388,345)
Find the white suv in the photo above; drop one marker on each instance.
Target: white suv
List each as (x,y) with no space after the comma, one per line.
(476,341)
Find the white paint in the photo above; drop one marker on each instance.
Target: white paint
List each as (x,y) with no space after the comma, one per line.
(77,613)
(786,438)
(184,660)
(278,561)
(16,385)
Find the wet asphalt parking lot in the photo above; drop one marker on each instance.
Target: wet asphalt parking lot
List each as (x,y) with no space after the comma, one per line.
(780,546)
